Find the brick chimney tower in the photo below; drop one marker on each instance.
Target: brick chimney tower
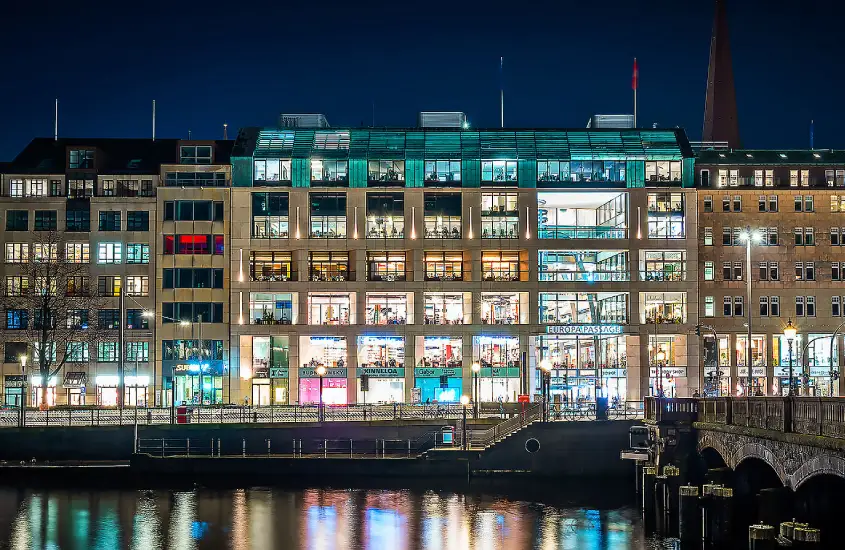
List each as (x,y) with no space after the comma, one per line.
(720,116)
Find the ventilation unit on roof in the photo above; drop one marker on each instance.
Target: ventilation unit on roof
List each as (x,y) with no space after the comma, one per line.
(611,121)
(303,121)
(442,119)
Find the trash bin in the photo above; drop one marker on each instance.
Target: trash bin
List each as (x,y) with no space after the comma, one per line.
(601,408)
(448,435)
(181,415)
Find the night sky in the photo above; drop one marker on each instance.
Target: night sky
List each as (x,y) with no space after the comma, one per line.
(243,63)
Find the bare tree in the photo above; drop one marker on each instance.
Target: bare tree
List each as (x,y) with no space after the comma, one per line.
(49,303)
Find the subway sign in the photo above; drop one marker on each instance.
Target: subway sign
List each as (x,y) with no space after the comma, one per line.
(587,330)
(279,372)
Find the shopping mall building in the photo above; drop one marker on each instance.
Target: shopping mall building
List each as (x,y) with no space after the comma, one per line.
(408,255)
(405,255)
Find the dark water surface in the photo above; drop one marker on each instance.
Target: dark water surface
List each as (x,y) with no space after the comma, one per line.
(473,517)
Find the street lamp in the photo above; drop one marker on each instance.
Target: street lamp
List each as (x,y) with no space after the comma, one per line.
(749,236)
(321,372)
(464,403)
(23,390)
(476,368)
(546,370)
(660,357)
(789,332)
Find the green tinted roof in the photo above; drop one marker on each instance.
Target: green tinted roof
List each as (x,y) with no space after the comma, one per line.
(447,143)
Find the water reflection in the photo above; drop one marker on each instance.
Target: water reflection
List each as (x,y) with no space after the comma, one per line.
(312,519)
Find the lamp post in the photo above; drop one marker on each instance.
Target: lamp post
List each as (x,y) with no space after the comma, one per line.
(476,368)
(660,356)
(789,332)
(23,390)
(464,403)
(546,370)
(321,372)
(749,236)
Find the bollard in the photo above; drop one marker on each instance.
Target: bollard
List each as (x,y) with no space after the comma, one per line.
(806,537)
(689,522)
(649,473)
(660,511)
(761,537)
(673,481)
(243,447)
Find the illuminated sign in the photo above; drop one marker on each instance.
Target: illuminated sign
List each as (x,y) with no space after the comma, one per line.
(330,373)
(590,330)
(383,372)
(437,373)
(668,371)
(279,372)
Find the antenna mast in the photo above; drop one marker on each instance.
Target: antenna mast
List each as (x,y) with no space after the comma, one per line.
(154,120)
(56,122)
(502,90)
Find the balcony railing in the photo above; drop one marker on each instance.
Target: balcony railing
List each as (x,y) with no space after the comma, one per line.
(273,277)
(663,276)
(585,276)
(581,232)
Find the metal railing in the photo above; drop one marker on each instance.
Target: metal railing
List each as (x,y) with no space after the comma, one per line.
(485,438)
(823,416)
(93,416)
(290,448)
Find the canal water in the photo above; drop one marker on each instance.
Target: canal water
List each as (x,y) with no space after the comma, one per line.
(553,516)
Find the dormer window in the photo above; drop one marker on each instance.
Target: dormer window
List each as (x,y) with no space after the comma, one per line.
(80,159)
(195,154)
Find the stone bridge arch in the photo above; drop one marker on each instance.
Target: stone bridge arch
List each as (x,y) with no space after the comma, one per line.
(794,463)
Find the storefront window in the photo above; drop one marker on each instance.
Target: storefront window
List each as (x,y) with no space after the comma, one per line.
(576,367)
(574,308)
(387,309)
(569,215)
(439,375)
(271,309)
(270,365)
(663,307)
(331,308)
(500,367)
(500,309)
(443,266)
(329,352)
(663,370)
(500,266)
(444,308)
(583,265)
(385,216)
(382,359)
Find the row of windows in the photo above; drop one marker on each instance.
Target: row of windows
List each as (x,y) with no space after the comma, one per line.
(193,211)
(107,253)
(79,352)
(80,188)
(805,306)
(769,271)
(192,278)
(195,312)
(77,285)
(107,319)
(193,244)
(449,170)
(728,177)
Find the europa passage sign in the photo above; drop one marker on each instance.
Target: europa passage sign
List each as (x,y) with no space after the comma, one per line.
(586,330)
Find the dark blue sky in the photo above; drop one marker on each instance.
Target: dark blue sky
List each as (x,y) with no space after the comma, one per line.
(245,62)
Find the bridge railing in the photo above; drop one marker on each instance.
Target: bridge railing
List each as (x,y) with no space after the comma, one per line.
(824,416)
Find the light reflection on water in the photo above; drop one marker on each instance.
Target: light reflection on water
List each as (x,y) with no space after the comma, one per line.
(311,519)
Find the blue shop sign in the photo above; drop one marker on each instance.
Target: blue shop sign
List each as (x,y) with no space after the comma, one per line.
(195,368)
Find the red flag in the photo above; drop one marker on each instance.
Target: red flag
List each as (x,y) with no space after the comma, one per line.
(635,78)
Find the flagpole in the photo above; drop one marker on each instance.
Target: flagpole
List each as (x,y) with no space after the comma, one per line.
(635,85)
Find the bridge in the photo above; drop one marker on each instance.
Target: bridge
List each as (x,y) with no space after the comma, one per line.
(799,438)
